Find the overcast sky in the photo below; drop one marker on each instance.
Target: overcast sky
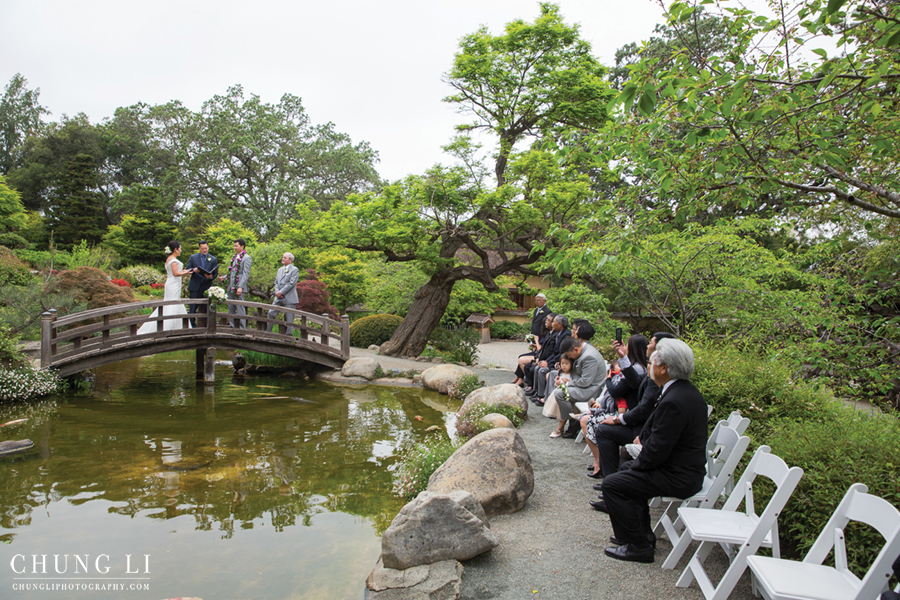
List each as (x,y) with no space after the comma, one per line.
(373,68)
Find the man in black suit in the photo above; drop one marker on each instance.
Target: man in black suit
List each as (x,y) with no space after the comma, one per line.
(541,310)
(672,461)
(204,267)
(614,432)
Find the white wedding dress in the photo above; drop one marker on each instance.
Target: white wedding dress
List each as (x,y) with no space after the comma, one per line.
(173,292)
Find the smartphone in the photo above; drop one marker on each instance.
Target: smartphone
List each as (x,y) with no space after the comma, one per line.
(619,334)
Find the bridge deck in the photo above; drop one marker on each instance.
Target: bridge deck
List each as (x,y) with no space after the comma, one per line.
(92,338)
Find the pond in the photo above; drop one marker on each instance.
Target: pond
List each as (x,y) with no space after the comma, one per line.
(247,488)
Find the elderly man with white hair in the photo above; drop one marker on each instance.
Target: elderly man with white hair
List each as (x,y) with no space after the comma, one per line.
(285,291)
(672,460)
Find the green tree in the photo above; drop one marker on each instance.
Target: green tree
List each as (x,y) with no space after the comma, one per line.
(221,237)
(76,214)
(800,127)
(392,285)
(345,277)
(141,237)
(536,79)
(20,116)
(12,214)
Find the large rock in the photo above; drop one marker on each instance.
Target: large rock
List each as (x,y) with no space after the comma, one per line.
(496,421)
(438,581)
(505,393)
(494,466)
(441,377)
(437,527)
(362,366)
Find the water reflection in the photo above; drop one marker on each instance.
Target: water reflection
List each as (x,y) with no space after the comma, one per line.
(150,453)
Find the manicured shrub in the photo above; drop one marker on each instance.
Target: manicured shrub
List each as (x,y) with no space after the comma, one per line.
(26,383)
(144,275)
(90,286)
(836,449)
(505,330)
(457,346)
(14,241)
(374,329)
(12,270)
(418,462)
(470,421)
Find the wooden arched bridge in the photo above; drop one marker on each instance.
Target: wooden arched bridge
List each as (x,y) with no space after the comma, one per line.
(91,338)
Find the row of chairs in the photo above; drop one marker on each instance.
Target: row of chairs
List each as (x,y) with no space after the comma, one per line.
(742,533)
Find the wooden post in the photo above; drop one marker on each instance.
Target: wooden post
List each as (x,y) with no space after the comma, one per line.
(326,330)
(209,373)
(211,319)
(200,356)
(47,336)
(345,336)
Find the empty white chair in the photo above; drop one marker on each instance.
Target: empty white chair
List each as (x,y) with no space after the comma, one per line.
(779,579)
(743,530)
(724,451)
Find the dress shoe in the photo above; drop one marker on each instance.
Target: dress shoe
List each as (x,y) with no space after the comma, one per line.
(598,486)
(599,505)
(597,475)
(539,402)
(651,539)
(556,433)
(529,391)
(630,553)
(571,434)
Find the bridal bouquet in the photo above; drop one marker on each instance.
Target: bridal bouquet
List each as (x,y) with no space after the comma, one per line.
(215,293)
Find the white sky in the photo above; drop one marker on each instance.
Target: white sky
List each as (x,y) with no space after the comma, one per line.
(373,68)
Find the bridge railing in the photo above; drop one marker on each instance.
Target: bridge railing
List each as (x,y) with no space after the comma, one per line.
(96,330)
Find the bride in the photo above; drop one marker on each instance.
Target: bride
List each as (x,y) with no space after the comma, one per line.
(174,273)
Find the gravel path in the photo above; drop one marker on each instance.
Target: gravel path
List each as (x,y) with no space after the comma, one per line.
(553,547)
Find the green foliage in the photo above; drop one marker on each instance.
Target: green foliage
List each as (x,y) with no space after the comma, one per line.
(469,297)
(578,301)
(20,116)
(505,330)
(271,360)
(392,285)
(266,262)
(762,389)
(140,237)
(83,254)
(12,213)
(221,238)
(143,275)
(457,346)
(10,355)
(464,386)
(21,306)
(345,277)
(12,270)
(374,329)
(835,451)
(14,241)
(470,420)
(418,462)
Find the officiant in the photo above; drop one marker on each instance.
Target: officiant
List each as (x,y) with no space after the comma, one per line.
(203,267)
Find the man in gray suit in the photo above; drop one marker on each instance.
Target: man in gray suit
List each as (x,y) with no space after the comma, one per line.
(238,277)
(588,378)
(285,291)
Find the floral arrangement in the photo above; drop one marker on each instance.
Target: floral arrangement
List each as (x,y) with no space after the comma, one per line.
(215,293)
(235,266)
(565,392)
(25,383)
(530,338)
(120,282)
(167,251)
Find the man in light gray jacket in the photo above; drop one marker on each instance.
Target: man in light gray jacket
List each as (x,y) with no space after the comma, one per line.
(238,278)
(588,378)
(285,291)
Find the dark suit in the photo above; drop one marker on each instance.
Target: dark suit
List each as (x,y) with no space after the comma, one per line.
(199,283)
(538,318)
(672,462)
(609,438)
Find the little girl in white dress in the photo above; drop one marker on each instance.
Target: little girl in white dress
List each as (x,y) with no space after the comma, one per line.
(174,273)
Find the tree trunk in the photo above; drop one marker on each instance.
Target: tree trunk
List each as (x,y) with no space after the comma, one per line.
(424,315)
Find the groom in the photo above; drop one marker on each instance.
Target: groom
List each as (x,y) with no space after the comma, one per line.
(238,279)
(203,267)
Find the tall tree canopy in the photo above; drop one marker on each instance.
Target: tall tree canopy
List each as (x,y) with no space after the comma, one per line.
(20,116)
(779,121)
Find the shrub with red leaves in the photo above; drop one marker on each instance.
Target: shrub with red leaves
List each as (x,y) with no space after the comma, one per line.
(314,295)
(120,282)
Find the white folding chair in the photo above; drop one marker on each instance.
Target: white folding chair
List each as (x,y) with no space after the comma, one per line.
(779,579)
(724,451)
(742,530)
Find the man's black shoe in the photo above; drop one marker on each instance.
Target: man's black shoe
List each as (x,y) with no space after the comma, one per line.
(599,505)
(651,539)
(570,434)
(630,553)
(598,486)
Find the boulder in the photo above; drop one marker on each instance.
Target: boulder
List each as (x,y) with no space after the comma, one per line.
(437,527)
(374,348)
(362,366)
(496,421)
(238,362)
(439,378)
(438,581)
(494,466)
(505,393)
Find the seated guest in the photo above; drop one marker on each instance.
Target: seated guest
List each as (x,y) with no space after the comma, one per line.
(612,433)
(549,350)
(582,330)
(543,367)
(538,317)
(528,357)
(672,461)
(588,379)
(626,388)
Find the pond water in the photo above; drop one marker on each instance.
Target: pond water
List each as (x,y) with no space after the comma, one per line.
(247,488)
